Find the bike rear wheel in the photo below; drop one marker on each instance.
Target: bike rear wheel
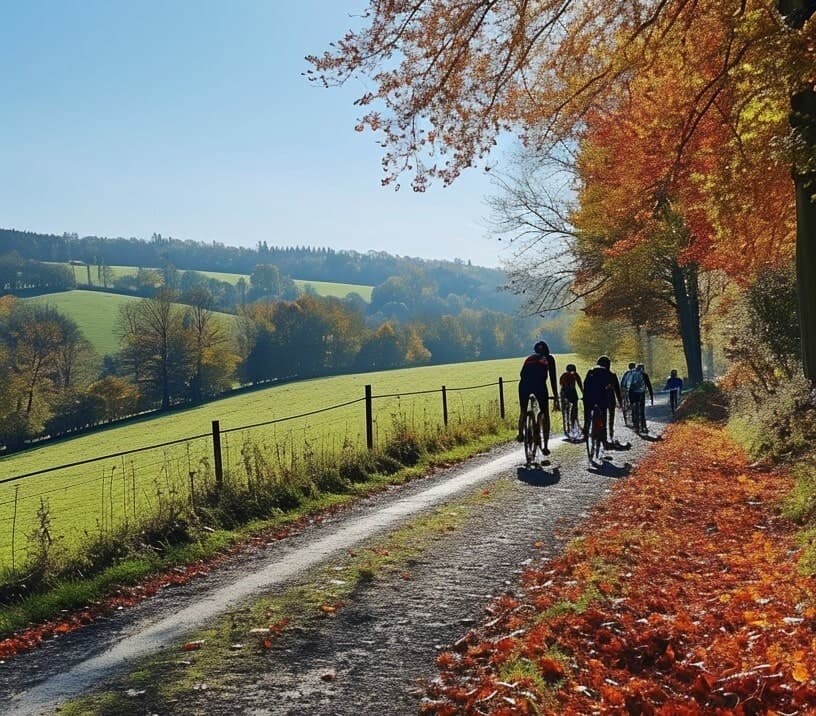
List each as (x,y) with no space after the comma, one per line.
(597,430)
(530,441)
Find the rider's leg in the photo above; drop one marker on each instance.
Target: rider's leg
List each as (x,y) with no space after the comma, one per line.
(634,402)
(609,436)
(522,416)
(544,417)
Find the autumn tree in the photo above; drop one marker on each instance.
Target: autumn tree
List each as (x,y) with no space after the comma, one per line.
(381,350)
(213,356)
(448,78)
(157,348)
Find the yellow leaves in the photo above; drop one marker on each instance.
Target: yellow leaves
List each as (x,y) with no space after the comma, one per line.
(758,619)
(800,672)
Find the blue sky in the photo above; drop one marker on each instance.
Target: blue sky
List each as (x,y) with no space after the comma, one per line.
(192,119)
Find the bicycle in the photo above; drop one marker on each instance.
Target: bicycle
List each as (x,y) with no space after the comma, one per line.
(569,418)
(536,425)
(597,433)
(626,408)
(638,408)
(674,400)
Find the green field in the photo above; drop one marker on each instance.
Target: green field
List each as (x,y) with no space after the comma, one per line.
(105,493)
(96,313)
(322,288)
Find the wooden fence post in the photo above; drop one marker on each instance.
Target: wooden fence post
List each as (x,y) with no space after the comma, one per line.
(369,419)
(219,470)
(444,406)
(501,398)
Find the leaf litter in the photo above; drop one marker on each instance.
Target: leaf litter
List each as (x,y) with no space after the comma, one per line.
(679,595)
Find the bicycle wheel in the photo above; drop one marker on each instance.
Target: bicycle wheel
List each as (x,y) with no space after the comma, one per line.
(626,409)
(597,431)
(530,438)
(565,416)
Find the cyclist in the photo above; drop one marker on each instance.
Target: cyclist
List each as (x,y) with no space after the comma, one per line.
(614,394)
(625,380)
(570,381)
(601,390)
(535,371)
(675,386)
(638,386)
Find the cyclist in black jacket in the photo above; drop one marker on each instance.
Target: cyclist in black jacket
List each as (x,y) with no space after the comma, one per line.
(535,371)
(601,389)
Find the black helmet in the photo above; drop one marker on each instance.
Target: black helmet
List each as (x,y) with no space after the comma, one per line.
(571,368)
(604,361)
(541,348)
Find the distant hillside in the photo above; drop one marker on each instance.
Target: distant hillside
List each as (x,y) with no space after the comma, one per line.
(480,284)
(96,314)
(321,288)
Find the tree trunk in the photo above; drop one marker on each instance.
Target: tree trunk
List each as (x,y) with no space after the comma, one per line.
(806,268)
(684,283)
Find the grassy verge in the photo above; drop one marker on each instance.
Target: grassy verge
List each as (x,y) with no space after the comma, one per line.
(184,542)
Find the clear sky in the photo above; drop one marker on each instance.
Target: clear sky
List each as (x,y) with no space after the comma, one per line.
(192,119)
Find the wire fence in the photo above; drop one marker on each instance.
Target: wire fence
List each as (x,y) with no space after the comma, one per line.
(70,504)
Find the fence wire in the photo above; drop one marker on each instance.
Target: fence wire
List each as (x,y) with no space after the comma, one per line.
(73,504)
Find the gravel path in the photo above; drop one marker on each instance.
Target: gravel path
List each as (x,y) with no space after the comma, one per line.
(373,655)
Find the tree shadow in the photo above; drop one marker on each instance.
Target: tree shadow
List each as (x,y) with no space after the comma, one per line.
(608,469)
(538,476)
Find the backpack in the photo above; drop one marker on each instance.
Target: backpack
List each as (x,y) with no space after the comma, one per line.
(636,382)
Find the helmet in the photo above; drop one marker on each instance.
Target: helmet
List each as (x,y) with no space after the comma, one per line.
(674,374)
(640,366)
(571,368)
(541,348)
(604,361)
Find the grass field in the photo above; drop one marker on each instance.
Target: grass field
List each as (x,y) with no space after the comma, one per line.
(322,288)
(97,314)
(103,494)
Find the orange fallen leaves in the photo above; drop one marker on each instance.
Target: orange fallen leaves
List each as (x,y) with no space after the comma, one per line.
(706,613)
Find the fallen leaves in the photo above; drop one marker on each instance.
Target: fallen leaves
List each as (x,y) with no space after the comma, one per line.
(681,596)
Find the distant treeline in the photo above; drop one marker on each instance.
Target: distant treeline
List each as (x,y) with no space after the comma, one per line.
(172,354)
(480,284)
(173,351)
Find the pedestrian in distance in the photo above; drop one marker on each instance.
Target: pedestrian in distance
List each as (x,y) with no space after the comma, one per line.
(674,385)
(535,371)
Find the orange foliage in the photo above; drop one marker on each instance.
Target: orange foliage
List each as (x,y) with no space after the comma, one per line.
(687,99)
(703,609)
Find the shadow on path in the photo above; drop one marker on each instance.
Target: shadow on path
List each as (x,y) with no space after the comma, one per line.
(538,476)
(607,469)
(650,438)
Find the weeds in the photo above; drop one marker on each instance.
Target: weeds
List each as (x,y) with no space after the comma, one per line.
(269,481)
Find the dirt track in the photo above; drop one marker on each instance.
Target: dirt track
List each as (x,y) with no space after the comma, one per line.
(370,656)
